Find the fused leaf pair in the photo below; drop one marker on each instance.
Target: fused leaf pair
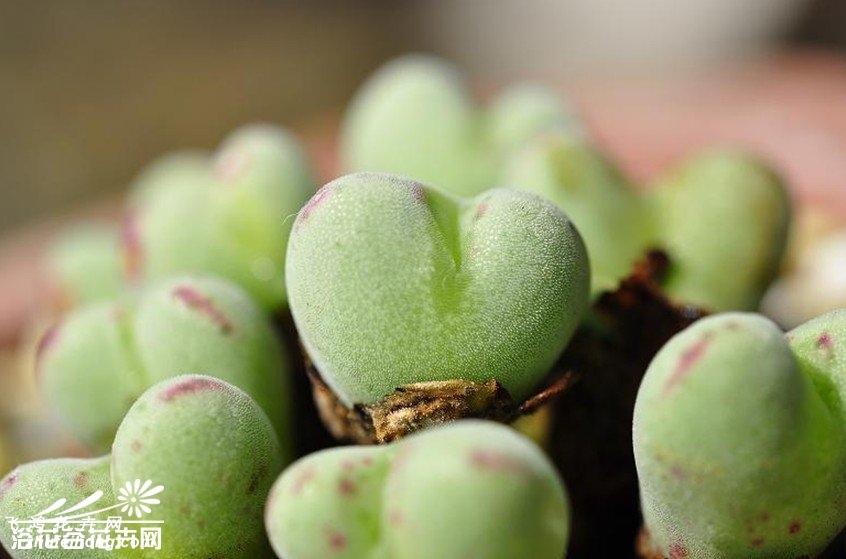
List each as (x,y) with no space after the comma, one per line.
(99,359)
(740,438)
(467,489)
(229,214)
(205,442)
(226,216)
(415,117)
(392,282)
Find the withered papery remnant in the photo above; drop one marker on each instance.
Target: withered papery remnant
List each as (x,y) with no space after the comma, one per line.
(417,406)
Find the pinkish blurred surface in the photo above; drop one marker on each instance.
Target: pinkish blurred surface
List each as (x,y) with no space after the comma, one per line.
(790,110)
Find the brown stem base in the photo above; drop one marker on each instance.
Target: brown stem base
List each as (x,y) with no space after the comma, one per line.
(414,407)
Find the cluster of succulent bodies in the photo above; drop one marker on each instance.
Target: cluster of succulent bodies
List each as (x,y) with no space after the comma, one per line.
(195,213)
(207,444)
(413,271)
(719,209)
(99,359)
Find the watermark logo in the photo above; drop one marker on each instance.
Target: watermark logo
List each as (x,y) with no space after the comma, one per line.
(76,527)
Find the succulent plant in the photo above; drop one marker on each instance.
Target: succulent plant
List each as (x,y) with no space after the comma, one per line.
(99,359)
(85,265)
(228,216)
(185,169)
(721,216)
(32,488)
(415,117)
(724,218)
(739,438)
(466,489)
(392,282)
(613,219)
(719,210)
(205,442)
(216,454)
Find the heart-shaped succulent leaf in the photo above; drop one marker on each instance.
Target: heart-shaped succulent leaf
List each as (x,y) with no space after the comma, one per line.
(724,218)
(466,489)
(99,359)
(195,451)
(739,439)
(415,117)
(392,282)
(227,215)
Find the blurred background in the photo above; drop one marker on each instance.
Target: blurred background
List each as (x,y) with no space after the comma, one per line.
(91,91)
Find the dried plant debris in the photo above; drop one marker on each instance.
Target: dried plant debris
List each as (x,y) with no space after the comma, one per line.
(416,406)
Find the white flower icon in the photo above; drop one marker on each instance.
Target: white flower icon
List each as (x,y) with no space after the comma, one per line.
(136,497)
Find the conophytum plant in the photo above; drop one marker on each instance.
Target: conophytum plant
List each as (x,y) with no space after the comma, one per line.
(740,438)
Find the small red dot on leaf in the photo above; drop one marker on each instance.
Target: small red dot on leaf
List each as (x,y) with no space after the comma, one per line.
(346,487)
(337,541)
(824,341)
(677,551)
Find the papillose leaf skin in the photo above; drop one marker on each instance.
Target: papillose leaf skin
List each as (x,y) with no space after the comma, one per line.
(394,283)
